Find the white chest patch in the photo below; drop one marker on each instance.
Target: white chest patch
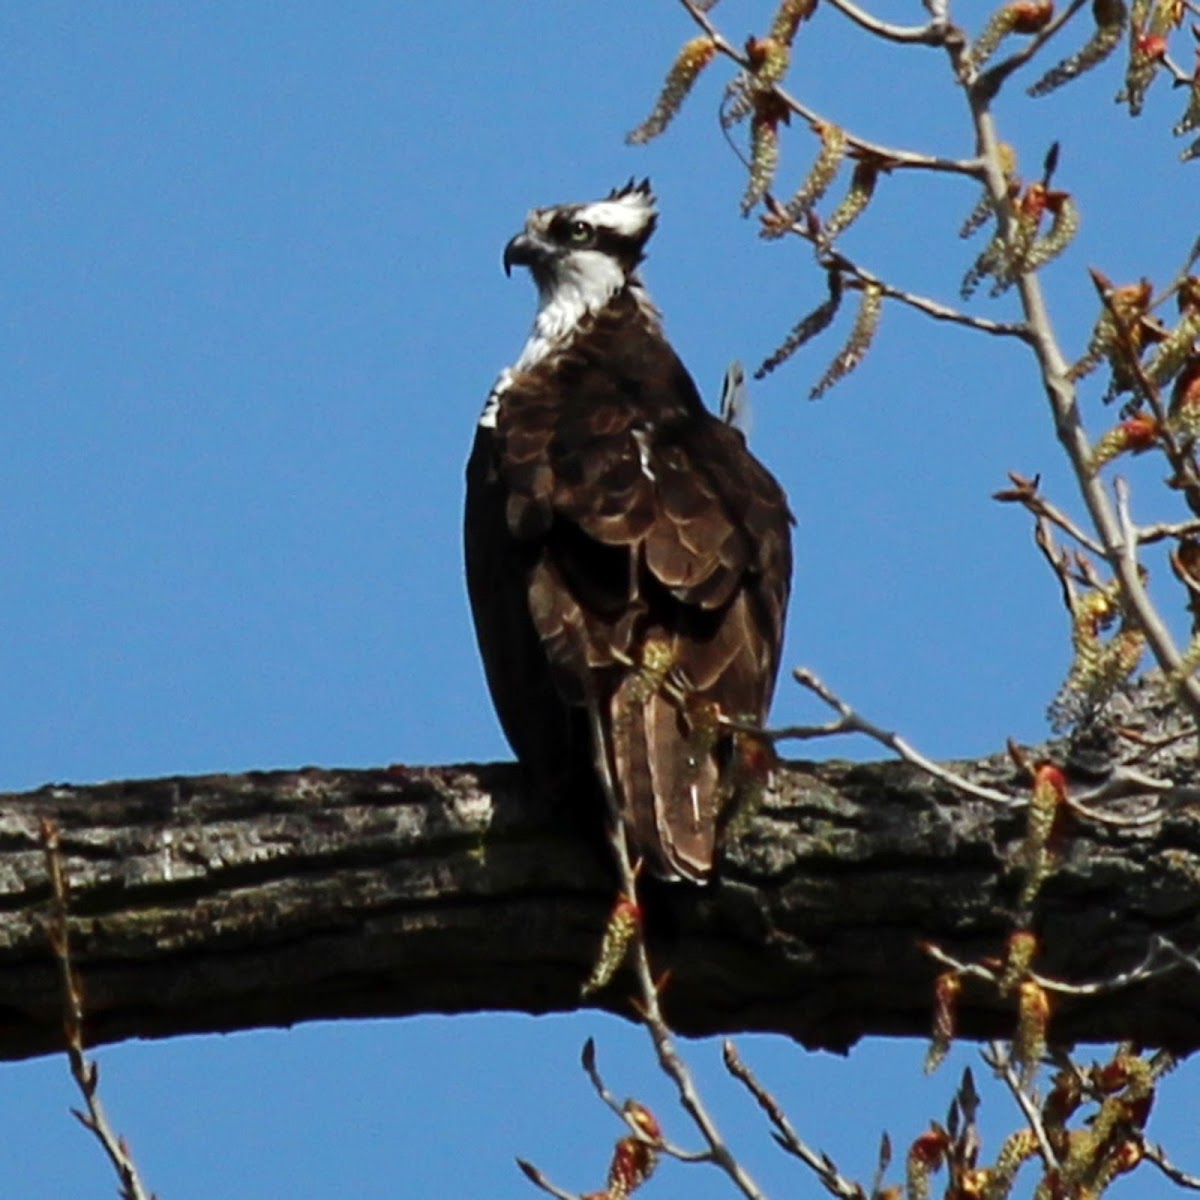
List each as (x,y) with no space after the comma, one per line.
(584,283)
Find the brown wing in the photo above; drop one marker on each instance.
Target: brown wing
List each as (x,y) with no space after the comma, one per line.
(643,566)
(548,736)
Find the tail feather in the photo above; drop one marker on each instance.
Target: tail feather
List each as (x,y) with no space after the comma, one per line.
(670,800)
(630,766)
(687,790)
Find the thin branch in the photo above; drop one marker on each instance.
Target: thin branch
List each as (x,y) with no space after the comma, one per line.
(992,79)
(588,1060)
(997,1057)
(1123,783)
(1067,419)
(821,1164)
(1138,821)
(668,1054)
(895,159)
(989,166)
(1179,76)
(85,1073)
(1129,539)
(1058,561)
(649,1008)
(787,733)
(931,308)
(725,47)
(1148,534)
(1158,1156)
(933,34)
(852,722)
(1026,492)
(1149,968)
(536,1177)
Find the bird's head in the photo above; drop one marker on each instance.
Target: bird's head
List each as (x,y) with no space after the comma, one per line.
(581,254)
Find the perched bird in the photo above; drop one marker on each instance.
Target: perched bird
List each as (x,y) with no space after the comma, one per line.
(628,559)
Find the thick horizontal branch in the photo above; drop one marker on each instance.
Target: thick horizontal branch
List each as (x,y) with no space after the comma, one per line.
(238,901)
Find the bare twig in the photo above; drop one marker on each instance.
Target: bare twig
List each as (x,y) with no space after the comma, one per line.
(788,733)
(649,1009)
(539,1179)
(933,34)
(823,1166)
(1151,967)
(1058,560)
(991,80)
(677,1070)
(1114,820)
(85,1073)
(1158,532)
(1026,492)
(1126,781)
(588,1060)
(852,722)
(998,1058)
(1158,1156)
(1129,539)
(1180,76)
(895,158)
(669,1058)
(835,259)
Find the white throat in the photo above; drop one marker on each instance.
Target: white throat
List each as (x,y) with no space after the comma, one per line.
(584,283)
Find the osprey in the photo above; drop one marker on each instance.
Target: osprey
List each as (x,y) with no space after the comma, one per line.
(628,559)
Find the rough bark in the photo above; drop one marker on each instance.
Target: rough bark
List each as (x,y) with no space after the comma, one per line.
(236,901)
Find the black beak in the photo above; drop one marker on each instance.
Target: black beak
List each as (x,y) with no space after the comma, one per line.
(520,252)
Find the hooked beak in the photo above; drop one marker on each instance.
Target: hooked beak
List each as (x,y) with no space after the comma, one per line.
(519,252)
(529,249)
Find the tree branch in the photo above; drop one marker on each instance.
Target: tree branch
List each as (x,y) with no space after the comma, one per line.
(238,901)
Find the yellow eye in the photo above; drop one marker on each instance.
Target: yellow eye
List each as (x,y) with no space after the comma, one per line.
(579,232)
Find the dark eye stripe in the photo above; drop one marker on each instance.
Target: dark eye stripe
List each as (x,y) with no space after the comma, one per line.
(561,228)
(616,244)
(607,241)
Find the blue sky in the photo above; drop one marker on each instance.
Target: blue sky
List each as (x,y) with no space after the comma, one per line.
(252,303)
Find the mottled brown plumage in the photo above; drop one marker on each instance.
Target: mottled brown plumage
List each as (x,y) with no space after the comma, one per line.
(624,551)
